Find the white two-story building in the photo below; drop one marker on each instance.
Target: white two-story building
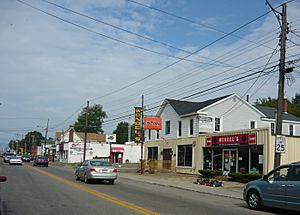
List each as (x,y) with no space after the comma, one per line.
(192,130)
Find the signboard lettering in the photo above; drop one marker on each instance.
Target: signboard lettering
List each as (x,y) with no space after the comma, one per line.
(137,124)
(237,139)
(152,123)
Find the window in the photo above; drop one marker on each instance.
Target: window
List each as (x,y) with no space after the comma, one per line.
(252,124)
(157,134)
(191,126)
(185,155)
(279,174)
(152,153)
(168,127)
(179,128)
(149,134)
(272,128)
(291,130)
(295,174)
(217,124)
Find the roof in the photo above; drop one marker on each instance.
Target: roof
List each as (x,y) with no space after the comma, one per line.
(270,112)
(186,107)
(92,137)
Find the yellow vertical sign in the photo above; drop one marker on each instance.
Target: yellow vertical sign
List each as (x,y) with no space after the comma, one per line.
(137,124)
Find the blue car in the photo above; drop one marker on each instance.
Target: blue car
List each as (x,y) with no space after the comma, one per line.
(280,188)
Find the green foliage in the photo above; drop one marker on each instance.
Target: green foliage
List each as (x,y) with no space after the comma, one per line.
(209,173)
(244,177)
(31,138)
(95,116)
(121,132)
(293,107)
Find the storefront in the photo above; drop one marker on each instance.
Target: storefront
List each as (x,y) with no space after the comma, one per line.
(233,153)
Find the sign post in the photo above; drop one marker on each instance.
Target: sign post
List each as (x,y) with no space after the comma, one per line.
(280,144)
(111,138)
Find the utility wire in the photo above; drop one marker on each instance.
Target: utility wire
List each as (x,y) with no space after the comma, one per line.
(193,22)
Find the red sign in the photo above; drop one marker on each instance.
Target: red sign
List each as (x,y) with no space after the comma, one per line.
(152,123)
(237,139)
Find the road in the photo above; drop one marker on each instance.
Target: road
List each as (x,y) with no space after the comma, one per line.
(53,190)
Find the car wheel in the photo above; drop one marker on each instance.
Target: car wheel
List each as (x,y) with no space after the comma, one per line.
(253,200)
(111,181)
(76,177)
(86,180)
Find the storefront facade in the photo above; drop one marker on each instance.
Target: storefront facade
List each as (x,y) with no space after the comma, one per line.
(247,151)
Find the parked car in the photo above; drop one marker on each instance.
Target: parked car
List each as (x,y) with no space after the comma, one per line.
(280,188)
(26,158)
(96,169)
(15,160)
(40,161)
(7,156)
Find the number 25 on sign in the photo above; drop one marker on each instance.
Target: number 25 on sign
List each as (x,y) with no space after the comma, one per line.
(280,144)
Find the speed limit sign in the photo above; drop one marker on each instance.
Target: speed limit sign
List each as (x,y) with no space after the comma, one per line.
(280,144)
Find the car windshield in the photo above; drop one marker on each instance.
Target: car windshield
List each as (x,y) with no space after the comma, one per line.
(42,158)
(100,163)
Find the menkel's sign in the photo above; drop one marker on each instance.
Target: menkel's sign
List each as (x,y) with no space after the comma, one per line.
(137,124)
(236,139)
(152,123)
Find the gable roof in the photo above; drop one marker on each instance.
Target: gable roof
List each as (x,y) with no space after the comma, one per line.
(270,112)
(186,107)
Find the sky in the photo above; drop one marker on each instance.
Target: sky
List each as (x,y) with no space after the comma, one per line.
(56,55)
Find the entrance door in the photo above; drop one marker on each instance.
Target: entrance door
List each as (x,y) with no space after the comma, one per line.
(230,160)
(167,158)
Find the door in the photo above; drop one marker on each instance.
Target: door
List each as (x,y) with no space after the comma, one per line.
(274,191)
(230,161)
(167,158)
(293,189)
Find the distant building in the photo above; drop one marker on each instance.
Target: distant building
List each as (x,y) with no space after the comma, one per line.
(71,146)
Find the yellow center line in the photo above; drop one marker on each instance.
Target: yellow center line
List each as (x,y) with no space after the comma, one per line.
(97,193)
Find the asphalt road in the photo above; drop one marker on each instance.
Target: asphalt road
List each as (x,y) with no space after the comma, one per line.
(53,190)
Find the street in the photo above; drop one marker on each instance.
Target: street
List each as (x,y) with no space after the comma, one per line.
(53,190)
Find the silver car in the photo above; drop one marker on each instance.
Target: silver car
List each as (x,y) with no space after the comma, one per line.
(280,188)
(96,170)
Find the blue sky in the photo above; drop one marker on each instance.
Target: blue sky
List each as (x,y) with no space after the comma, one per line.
(50,68)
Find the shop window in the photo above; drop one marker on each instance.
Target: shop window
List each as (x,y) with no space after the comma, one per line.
(207,155)
(184,155)
(191,126)
(291,130)
(256,159)
(217,124)
(167,127)
(152,153)
(217,159)
(272,128)
(149,134)
(179,128)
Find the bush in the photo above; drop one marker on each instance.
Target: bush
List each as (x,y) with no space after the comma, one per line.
(244,177)
(209,173)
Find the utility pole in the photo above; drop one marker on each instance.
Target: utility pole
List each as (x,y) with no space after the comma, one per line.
(85,130)
(142,137)
(281,80)
(46,134)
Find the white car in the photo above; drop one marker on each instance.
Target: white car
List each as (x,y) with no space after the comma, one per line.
(15,160)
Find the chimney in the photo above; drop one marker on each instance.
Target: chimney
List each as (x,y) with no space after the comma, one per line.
(247,98)
(285,105)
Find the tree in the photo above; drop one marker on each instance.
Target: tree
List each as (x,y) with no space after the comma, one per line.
(122,132)
(95,116)
(31,138)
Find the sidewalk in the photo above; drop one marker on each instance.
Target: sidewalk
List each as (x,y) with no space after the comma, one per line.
(185,182)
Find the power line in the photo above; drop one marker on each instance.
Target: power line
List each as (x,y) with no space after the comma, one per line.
(193,22)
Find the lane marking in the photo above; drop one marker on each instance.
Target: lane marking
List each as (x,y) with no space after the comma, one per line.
(97,193)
